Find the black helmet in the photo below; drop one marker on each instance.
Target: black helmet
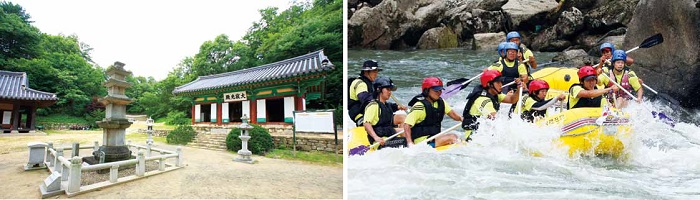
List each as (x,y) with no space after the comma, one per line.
(371,65)
(383,82)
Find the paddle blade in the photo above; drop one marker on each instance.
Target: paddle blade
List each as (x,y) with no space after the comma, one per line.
(652,41)
(359,150)
(669,99)
(667,120)
(452,90)
(458,81)
(664,118)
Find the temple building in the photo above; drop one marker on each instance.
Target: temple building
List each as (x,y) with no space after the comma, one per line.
(267,94)
(18,102)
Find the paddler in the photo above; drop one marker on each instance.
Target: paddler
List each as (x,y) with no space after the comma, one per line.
(585,93)
(623,76)
(360,90)
(524,54)
(378,115)
(485,100)
(535,105)
(427,112)
(510,67)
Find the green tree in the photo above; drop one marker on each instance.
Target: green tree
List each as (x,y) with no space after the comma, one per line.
(18,38)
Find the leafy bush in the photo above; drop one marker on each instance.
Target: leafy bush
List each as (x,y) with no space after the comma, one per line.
(183,134)
(177,118)
(260,140)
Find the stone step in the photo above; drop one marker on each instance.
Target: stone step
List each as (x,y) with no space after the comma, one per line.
(210,147)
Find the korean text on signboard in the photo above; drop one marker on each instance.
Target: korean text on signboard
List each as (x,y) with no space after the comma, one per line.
(235,96)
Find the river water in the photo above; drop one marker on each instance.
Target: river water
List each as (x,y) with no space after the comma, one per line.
(660,162)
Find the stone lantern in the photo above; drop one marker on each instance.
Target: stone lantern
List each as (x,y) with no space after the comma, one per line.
(245,136)
(149,123)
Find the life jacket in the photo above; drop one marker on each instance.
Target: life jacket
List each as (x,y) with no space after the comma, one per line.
(384,127)
(584,102)
(431,125)
(625,82)
(356,107)
(529,115)
(509,73)
(469,121)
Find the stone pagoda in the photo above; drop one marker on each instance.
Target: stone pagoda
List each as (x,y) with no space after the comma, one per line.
(115,123)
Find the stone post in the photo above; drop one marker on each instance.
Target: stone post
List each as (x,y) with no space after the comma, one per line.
(113,173)
(57,163)
(74,181)
(49,158)
(141,166)
(178,162)
(96,147)
(161,164)
(76,149)
(244,152)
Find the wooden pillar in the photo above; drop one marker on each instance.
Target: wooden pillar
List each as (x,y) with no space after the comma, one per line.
(193,114)
(253,111)
(15,117)
(298,103)
(219,119)
(32,118)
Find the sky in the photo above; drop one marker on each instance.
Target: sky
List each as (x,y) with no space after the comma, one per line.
(150,37)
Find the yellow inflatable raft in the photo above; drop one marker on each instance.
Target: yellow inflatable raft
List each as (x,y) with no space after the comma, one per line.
(584,130)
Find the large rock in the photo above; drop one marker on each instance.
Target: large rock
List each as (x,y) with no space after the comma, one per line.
(548,40)
(523,10)
(394,23)
(483,21)
(492,5)
(673,66)
(488,41)
(570,22)
(610,15)
(437,38)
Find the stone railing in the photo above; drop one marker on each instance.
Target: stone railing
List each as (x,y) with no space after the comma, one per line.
(66,172)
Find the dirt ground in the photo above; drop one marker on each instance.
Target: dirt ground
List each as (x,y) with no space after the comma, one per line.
(207,174)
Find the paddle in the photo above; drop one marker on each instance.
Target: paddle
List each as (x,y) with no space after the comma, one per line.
(362,149)
(520,100)
(454,86)
(663,96)
(441,133)
(663,117)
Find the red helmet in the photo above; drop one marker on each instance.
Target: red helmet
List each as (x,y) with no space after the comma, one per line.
(489,76)
(537,85)
(585,72)
(431,82)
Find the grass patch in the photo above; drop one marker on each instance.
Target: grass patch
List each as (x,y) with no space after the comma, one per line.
(61,118)
(317,157)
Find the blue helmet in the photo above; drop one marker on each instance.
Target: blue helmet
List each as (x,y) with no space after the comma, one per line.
(511,45)
(619,55)
(502,49)
(607,45)
(512,34)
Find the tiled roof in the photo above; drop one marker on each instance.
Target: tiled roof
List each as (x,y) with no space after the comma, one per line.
(15,86)
(301,65)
